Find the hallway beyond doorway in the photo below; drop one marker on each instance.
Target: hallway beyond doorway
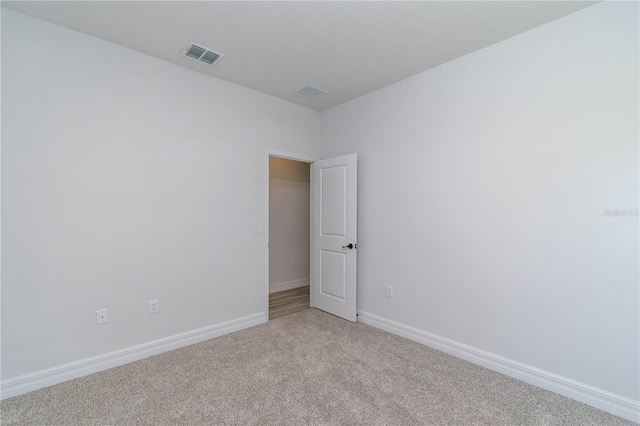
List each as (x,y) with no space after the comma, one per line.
(288,302)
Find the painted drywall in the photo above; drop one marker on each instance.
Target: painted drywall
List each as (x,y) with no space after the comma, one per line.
(484,186)
(126,179)
(289,213)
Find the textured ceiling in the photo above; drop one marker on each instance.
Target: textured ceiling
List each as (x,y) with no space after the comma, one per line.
(347,48)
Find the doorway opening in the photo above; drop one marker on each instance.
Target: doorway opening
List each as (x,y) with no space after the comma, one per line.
(289,233)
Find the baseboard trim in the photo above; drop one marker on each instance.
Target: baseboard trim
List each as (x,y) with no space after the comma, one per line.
(288,285)
(599,398)
(62,373)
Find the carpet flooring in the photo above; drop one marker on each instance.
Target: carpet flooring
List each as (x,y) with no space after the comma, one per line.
(304,368)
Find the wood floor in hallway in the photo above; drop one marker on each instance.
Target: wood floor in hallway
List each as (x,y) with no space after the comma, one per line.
(288,301)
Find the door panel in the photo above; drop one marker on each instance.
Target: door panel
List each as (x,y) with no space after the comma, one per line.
(334,203)
(334,235)
(333,274)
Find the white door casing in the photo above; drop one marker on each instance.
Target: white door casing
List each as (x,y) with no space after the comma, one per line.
(334,248)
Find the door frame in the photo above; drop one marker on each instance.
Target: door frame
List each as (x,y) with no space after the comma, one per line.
(304,159)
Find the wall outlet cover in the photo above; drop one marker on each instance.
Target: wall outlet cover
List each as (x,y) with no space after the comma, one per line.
(102,316)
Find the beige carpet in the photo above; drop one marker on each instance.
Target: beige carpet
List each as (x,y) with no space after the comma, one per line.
(304,368)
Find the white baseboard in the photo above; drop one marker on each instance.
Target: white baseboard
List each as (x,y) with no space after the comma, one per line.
(62,373)
(615,404)
(288,285)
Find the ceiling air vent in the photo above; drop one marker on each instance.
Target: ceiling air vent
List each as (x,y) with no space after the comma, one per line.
(309,92)
(202,54)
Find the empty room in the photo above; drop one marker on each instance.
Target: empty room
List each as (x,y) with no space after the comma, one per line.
(466,238)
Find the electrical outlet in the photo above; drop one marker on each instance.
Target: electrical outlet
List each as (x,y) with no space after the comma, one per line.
(102,316)
(153,306)
(293,263)
(389,291)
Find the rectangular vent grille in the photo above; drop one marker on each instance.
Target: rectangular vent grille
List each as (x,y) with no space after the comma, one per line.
(309,92)
(209,57)
(202,54)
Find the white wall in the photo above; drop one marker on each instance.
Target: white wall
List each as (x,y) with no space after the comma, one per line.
(124,179)
(289,225)
(483,185)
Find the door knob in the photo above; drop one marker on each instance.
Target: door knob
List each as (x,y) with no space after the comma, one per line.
(349,246)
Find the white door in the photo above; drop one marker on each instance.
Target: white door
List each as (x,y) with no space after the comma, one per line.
(334,235)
